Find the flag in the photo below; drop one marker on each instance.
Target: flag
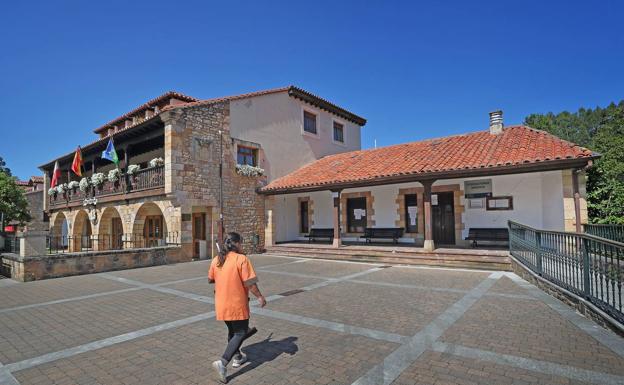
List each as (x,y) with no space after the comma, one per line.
(77,163)
(110,153)
(56,174)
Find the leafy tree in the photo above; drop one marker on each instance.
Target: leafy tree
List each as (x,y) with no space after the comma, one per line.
(602,130)
(13,203)
(3,167)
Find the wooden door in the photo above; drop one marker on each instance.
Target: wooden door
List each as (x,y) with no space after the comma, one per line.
(116,233)
(356,215)
(199,231)
(153,230)
(443,215)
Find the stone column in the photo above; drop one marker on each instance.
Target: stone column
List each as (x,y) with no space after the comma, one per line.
(269,228)
(429,245)
(336,196)
(33,243)
(46,187)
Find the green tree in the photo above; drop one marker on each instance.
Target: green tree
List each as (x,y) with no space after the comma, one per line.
(602,130)
(3,167)
(13,203)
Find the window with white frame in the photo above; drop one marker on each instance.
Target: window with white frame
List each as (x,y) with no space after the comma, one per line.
(309,122)
(338,132)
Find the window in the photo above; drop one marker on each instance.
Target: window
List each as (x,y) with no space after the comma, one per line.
(309,122)
(153,230)
(411,213)
(338,132)
(305,220)
(356,215)
(246,155)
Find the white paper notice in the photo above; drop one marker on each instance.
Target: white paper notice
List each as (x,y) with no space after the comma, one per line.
(359,213)
(434,199)
(412,212)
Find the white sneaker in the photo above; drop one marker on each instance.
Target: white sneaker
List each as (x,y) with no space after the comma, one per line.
(237,363)
(221,371)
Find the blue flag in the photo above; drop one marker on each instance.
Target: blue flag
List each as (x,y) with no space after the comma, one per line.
(110,153)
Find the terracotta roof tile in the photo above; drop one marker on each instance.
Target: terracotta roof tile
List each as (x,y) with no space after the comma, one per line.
(516,145)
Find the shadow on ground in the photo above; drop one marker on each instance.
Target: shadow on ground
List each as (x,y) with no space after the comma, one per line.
(265,351)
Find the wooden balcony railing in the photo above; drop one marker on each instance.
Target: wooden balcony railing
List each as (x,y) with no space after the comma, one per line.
(146,179)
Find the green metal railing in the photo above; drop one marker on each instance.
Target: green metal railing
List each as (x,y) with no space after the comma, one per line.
(587,265)
(612,232)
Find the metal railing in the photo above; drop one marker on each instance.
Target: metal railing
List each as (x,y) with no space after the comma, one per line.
(587,265)
(12,244)
(612,232)
(101,242)
(148,178)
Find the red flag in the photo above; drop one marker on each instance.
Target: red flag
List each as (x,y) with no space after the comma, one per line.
(77,163)
(55,175)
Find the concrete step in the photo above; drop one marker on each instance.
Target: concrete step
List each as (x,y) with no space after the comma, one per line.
(474,261)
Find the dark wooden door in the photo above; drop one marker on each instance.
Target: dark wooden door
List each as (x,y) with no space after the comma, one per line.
(116,233)
(199,231)
(356,215)
(153,230)
(443,219)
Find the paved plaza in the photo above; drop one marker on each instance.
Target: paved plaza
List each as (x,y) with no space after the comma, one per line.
(326,323)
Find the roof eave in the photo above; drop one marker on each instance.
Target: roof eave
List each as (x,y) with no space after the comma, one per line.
(325,105)
(453,174)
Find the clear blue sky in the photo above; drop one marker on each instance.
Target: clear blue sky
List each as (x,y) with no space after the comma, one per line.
(413,70)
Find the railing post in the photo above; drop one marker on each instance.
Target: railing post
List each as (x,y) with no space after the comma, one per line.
(538,252)
(586,273)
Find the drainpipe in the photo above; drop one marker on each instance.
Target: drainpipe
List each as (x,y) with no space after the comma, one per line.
(577,201)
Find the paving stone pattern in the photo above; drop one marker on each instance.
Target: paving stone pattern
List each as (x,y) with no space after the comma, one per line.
(107,332)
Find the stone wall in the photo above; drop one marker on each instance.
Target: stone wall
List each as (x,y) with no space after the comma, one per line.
(568,200)
(196,139)
(61,265)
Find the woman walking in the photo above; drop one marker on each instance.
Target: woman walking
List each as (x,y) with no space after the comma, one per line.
(234,277)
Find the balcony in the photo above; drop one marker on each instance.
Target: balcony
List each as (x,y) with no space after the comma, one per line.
(146,182)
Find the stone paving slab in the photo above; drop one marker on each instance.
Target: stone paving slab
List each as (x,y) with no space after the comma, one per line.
(396,310)
(441,368)
(449,279)
(32,332)
(285,354)
(506,286)
(259,260)
(28,293)
(269,284)
(533,330)
(165,273)
(323,268)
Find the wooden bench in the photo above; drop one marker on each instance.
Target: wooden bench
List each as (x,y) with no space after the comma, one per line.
(487,234)
(320,233)
(393,233)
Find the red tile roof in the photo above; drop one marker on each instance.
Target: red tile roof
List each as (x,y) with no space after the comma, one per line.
(516,145)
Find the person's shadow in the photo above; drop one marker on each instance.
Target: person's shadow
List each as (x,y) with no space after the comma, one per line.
(265,351)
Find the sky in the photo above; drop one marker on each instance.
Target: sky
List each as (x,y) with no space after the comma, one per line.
(414,70)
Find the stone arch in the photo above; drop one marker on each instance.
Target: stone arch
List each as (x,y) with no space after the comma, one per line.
(110,230)
(149,228)
(81,232)
(59,232)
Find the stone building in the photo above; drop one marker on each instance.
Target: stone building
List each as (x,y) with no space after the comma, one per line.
(183,163)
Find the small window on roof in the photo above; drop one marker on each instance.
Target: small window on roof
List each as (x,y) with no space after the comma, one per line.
(309,122)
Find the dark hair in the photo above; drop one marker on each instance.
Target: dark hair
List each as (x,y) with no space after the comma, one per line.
(230,243)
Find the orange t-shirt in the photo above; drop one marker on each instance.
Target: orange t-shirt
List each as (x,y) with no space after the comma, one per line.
(232,281)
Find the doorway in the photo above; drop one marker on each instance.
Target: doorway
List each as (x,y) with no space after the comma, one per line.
(199,232)
(116,233)
(443,215)
(356,215)
(153,230)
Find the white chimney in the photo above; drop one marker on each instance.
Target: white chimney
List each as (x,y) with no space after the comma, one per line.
(496,122)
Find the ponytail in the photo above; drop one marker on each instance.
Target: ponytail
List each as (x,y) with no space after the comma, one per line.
(230,243)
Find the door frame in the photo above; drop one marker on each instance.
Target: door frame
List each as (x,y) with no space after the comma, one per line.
(202,217)
(449,233)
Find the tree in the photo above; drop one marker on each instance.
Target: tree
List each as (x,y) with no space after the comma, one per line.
(3,167)
(601,130)
(13,203)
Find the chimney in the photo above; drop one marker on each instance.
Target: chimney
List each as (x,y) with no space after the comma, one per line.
(496,122)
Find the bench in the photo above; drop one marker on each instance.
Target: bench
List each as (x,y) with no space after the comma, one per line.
(320,233)
(393,233)
(487,234)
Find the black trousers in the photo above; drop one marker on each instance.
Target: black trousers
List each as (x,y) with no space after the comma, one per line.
(236,335)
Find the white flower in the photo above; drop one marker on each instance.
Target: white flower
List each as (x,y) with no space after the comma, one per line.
(247,170)
(133,169)
(97,179)
(156,162)
(72,185)
(84,184)
(51,191)
(114,174)
(61,188)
